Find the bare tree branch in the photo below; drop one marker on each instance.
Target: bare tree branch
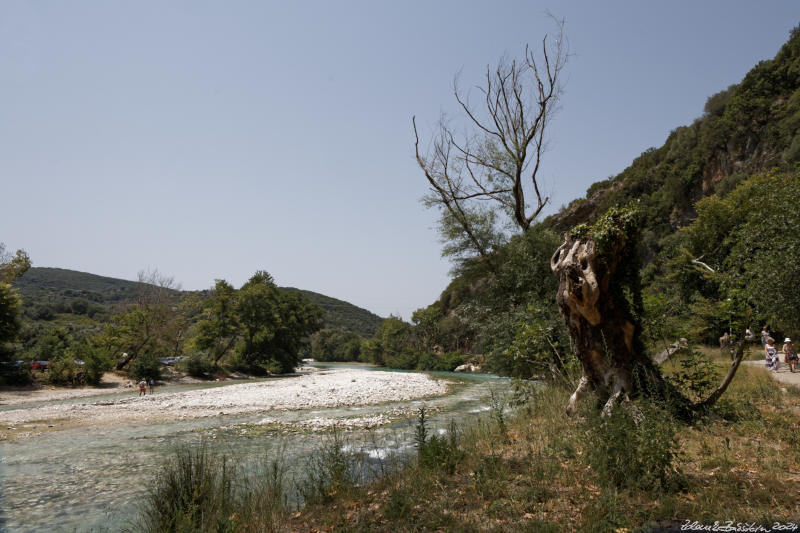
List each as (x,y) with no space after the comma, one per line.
(499,156)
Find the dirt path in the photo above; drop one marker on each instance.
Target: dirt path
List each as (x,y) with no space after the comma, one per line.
(783,374)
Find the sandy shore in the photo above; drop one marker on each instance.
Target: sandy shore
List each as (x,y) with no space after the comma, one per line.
(330,388)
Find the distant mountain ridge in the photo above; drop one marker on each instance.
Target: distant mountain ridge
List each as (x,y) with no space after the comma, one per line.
(47,292)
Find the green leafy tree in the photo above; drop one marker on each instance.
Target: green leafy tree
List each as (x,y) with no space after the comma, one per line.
(11,268)
(748,243)
(335,345)
(154,324)
(275,326)
(219,328)
(392,345)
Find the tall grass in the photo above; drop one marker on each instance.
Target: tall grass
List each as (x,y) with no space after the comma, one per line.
(197,490)
(533,469)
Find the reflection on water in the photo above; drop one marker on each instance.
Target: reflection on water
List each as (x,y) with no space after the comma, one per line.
(92,479)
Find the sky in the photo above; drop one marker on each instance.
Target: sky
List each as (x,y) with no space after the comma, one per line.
(209,140)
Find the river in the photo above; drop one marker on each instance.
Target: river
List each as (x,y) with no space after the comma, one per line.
(94,478)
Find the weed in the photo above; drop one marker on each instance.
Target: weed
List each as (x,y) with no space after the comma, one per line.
(626,453)
(330,471)
(193,492)
(437,451)
(498,406)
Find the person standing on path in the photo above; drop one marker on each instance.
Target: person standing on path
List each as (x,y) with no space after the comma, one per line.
(771,355)
(789,354)
(152,384)
(142,387)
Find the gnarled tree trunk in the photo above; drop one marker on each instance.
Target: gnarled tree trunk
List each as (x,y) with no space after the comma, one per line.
(600,321)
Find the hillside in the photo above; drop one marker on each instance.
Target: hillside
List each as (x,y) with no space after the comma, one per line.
(721,192)
(342,315)
(47,292)
(747,128)
(51,293)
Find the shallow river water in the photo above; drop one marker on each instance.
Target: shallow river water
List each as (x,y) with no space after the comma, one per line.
(93,479)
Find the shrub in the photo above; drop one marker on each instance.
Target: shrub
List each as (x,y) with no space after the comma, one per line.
(630,449)
(445,362)
(437,451)
(64,370)
(193,492)
(197,365)
(330,471)
(696,376)
(145,366)
(94,360)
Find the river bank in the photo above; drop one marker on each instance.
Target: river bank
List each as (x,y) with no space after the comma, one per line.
(77,475)
(321,389)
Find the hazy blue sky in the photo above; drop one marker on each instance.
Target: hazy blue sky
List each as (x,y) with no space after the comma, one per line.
(212,139)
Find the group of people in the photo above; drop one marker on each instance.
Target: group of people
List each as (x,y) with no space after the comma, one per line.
(772,355)
(143,386)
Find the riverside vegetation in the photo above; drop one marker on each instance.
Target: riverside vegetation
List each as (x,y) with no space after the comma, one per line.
(719,246)
(532,469)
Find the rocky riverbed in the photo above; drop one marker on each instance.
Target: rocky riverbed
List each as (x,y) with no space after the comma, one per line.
(329,388)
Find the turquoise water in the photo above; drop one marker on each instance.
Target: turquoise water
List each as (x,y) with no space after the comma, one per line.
(93,479)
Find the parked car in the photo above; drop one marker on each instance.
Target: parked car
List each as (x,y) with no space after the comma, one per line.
(40,365)
(169,361)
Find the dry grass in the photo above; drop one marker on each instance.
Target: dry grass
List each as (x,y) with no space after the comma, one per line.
(539,470)
(740,463)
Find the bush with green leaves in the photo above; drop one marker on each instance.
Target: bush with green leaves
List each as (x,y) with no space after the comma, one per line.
(634,447)
(446,362)
(193,492)
(331,470)
(92,360)
(145,366)
(442,452)
(539,348)
(197,365)
(696,375)
(335,345)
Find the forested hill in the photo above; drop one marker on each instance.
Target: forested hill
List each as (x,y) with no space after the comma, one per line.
(50,293)
(718,203)
(47,292)
(747,128)
(342,315)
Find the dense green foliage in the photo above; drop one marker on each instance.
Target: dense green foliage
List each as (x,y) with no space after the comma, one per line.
(50,292)
(52,314)
(336,345)
(11,268)
(747,128)
(750,239)
(728,179)
(274,325)
(342,315)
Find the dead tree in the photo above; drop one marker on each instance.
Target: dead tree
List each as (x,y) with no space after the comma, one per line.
(597,295)
(499,156)
(599,298)
(150,321)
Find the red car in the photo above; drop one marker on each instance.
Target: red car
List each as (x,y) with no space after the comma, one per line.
(40,365)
